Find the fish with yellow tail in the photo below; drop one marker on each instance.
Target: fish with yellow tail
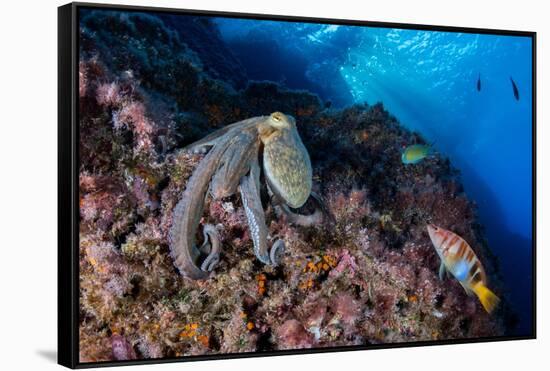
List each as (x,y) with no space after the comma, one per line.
(415,153)
(459,259)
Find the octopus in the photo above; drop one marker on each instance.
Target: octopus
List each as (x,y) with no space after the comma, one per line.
(234,158)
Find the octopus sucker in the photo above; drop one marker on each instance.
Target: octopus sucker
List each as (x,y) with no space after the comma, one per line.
(232,165)
(250,194)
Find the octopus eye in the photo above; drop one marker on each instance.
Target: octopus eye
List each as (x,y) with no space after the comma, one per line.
(276,116)
(279,120)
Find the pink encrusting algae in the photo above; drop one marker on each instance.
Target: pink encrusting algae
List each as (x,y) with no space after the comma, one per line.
(369,276)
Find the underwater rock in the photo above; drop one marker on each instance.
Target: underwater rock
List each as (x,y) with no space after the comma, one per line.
(203,37)
(263,96)
(139,45)
(281,62)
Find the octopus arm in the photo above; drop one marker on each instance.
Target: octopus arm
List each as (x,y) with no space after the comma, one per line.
(204,144)
(186,218)
(250,194)
(318,217)
(235,164)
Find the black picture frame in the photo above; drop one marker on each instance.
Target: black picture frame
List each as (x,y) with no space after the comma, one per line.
(68,192)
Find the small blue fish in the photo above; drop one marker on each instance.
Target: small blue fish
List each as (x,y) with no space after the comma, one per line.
(415,153)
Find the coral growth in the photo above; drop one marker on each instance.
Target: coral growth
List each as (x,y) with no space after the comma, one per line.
(369,277)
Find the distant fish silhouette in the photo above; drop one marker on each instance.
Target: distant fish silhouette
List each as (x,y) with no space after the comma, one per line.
(479,82)
(514,86)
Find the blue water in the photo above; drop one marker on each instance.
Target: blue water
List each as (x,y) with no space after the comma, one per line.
(428,81)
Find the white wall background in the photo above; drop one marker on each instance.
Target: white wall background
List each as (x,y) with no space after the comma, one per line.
(28,181)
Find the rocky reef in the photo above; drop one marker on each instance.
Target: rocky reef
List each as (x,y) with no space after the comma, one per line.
(369,277)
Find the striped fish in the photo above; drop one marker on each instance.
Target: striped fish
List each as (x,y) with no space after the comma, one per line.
(458,259)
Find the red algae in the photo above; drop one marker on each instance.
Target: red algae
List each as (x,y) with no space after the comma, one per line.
(292,335)
(122,350)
